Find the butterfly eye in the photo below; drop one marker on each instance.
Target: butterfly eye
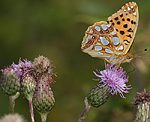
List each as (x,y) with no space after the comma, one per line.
(145,50)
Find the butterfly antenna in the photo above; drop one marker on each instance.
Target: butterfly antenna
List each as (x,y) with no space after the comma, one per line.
(105,63)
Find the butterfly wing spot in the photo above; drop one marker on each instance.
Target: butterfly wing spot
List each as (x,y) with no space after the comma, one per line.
(129,36)
(97,28)
(88,44)
(91,31)
(115,41)
(125,25)
(104,26)
(114,32)
(109,51)
(88,37)
(122,32)
(132,7)
(95,54)
(88,41)
(130,30)
(93,37)
(118,22)
(126,42)
(123,19)
(121,15)
(120,48)
(134,13)
(132,22)
(104,41)
(110,29)
(108,25)
(98,48)
(128,19)
(116,18)
(129,9)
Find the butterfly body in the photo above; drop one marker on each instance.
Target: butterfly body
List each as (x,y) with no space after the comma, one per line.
(112,40)
(118,59)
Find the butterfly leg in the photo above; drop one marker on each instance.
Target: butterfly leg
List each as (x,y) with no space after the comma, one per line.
(105,63)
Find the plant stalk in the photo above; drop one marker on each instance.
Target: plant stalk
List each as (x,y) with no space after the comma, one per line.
(12,101)
(85,111)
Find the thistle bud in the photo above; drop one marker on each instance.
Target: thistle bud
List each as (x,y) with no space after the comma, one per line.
(28,86)
(43,98)
(142,103)
(10,81)
(98,95)
(42,65)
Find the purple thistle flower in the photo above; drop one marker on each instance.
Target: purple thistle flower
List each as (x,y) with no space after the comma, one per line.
(16,69)
(22,67)
(114,78)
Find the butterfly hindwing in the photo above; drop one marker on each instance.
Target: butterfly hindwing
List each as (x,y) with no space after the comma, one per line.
(100,40)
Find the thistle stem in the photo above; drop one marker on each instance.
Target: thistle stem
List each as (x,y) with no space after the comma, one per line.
(85,110)
(31,110)
(143,114)
(43,117)
(12,101)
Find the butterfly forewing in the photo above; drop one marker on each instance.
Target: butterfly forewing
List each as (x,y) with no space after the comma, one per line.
(125,21)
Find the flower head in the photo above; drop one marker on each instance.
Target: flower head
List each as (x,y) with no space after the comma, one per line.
(43,98)
(114,78)
(142,97)
(10,81)
(142,103)
(42,64)
(21,68)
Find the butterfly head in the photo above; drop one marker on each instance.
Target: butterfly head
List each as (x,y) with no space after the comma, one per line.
(128,57)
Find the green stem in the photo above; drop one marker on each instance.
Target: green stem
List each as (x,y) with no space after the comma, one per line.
(85,110)
(31,110)
(43,117)
(12,101)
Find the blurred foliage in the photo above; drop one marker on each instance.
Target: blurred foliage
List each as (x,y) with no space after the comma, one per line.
(55,29)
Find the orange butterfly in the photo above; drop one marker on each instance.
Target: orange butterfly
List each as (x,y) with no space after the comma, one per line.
(112,40)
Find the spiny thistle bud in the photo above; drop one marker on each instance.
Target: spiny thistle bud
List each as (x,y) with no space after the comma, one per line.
(98,95)
(42,65)
(28,86)
(142,102)
(28,82)
(10,81)
(43,99)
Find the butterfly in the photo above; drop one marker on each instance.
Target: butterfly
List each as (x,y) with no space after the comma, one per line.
(111,40)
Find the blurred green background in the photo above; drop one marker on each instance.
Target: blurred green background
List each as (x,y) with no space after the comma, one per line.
(55,28)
